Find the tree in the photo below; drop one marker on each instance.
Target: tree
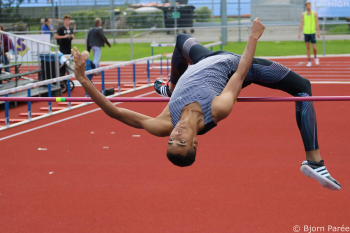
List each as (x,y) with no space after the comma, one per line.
(7,7)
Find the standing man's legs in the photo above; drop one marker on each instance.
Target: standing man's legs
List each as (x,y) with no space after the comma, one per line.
(308,54)
(314,47)
(307,38)
(97,55)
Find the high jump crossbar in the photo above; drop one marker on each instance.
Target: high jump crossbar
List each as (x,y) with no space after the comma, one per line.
(163,99)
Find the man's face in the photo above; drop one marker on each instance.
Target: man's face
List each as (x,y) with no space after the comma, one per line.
(66,22)
(47,23)
(181,138)
(308,7)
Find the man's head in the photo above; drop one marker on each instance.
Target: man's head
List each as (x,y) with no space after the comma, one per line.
(182,144)
(98,22)
(308,5)
(47,22)
(66,20)
(85,55)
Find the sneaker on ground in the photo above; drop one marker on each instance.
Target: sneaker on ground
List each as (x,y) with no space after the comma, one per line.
(162,88)
(309,64)
(318,171)
(317,61)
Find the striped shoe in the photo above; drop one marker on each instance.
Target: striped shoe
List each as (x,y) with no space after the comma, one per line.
(162,88)
(318,171)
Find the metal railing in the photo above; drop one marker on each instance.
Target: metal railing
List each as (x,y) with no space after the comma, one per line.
(49,82)
(274,32)
(24,53)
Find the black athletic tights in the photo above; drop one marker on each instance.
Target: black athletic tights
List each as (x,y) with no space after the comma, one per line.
(189,51)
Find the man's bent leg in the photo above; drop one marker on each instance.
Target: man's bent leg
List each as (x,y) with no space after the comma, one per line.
(187,51)
(296,85)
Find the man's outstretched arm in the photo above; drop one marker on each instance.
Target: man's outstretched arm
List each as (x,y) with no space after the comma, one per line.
(232,89)
(128,117)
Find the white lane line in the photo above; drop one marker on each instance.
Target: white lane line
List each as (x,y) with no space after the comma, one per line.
(65,119)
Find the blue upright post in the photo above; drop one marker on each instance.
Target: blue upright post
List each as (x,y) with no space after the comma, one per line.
(134,74)
(7,110)
(68,91)
(161,67)
(118,79)
(49,95)
(148,74)
(29,106)
(221,47)
(211,48)
(103,82)
(152,51)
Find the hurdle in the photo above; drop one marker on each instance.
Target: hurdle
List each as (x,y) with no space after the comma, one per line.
(48,82)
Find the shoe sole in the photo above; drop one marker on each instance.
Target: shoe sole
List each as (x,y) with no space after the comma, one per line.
(309,172)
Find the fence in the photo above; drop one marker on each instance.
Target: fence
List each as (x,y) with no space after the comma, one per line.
(27,57)
(236,33)
(117,14)
(68,78)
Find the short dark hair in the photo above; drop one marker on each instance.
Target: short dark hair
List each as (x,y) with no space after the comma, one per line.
(66,17)
(46,19)
(183,160)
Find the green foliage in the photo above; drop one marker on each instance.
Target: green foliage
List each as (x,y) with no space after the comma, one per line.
(7,10)
(145,20)
(85,18)
(203,14)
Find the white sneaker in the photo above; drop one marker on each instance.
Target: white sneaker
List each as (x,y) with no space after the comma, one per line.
(309,64)
(318,171)
(317,61)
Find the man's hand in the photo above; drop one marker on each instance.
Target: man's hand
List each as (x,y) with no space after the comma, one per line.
(65,36)
(72,36)
(299,36)
(257,29)
(318,34)
(79,65)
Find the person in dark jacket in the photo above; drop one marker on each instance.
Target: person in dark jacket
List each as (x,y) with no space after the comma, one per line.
(96,39)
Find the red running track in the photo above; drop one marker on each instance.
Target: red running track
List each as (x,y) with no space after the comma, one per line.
(246,177)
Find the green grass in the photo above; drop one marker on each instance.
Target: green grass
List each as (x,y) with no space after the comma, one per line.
(121,52)
(337,29)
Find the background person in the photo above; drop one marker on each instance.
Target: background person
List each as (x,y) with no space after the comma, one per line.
(89,65)
(47,28)
(6,46)
(65,35)
(96,39)
(309,19)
